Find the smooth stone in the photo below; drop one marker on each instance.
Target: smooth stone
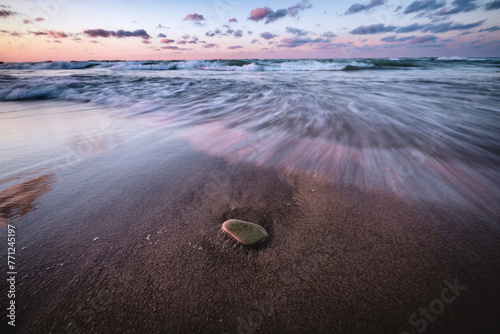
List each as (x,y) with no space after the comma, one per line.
(245,232)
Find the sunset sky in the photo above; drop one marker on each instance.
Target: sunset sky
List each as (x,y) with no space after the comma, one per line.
(38,30)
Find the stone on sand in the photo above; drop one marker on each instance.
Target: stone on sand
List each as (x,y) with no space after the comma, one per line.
(245,232)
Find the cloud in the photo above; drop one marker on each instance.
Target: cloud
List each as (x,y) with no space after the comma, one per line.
(38,33)
(409,28)
(357,7)
(254,41)
(294,10)
(5,13)
(423,39)
(57,34)
(259,13)
(267,13)
(197,18)
(26,21)
(50,33)
(167,41)
(294,42)
(421,5)
(372,29)
(216,32)
(182,42)
(39,19)
(329,34)
(492,5)
(160,35)
(438,28)
(296,31)
(137,33)
(234,47)
(210,45)
(119,34)
(170,47)
(448,26)
(273,16)
(233,20)
(460,6)
(185,36)
(267,35)
(238,33)
(394,39)
(495,28)
(297,41)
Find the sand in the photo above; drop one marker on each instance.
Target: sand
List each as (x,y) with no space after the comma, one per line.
(129,240)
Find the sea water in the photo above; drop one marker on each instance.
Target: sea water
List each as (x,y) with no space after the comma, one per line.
(426,128)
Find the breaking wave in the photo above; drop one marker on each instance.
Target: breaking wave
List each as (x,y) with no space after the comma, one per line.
(246,65)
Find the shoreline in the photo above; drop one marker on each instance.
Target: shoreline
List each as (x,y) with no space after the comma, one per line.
(337,260)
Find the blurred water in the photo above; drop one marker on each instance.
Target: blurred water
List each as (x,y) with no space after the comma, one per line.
(423,128)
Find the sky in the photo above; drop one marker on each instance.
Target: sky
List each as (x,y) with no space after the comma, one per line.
(40,30)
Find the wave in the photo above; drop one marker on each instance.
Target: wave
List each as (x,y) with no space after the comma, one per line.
(51,65)
(431,133)
(248,65)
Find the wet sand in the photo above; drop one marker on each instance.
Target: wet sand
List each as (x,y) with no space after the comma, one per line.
(129,240)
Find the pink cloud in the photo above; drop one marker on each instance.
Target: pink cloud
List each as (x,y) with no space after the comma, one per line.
(57,34)
(210,45)
(194,17)
(51,33)
(167,41)
(259,13)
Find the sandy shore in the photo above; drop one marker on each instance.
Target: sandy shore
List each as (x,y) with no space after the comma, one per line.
(129,241)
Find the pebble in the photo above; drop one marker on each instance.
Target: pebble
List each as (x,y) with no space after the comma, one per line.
(245,232)
(96,238)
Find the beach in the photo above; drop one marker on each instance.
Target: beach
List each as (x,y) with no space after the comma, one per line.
(128,239)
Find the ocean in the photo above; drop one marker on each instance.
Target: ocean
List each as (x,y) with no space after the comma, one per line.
(421,128)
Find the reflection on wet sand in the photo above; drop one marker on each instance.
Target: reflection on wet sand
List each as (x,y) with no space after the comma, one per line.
(407,171)
(18,200)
